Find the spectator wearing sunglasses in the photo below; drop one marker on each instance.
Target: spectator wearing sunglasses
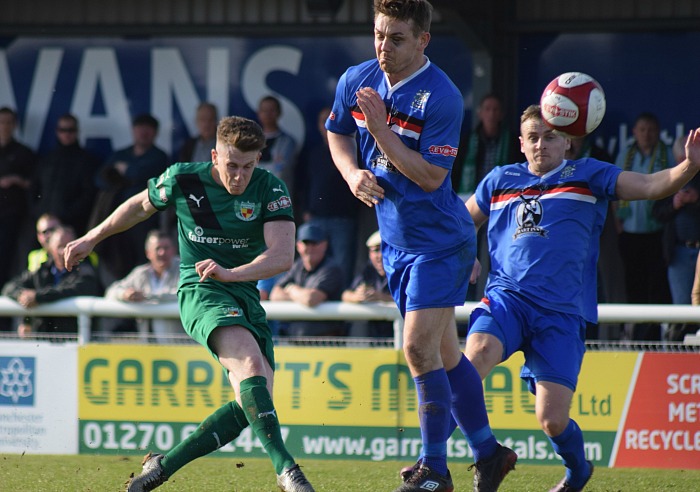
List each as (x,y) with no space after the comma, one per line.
(65,178)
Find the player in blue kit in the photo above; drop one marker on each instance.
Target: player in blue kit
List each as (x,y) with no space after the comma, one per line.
(408,116)
(544,223)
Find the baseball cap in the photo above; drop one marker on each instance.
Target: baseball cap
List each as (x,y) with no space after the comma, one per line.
(374,240)
(311,232)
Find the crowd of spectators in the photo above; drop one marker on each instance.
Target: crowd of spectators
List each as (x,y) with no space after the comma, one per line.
(649,250)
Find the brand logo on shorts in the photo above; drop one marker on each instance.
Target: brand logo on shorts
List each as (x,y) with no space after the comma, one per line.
(233,311)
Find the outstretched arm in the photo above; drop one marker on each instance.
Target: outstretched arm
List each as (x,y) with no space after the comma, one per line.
(133,211)
(638,186)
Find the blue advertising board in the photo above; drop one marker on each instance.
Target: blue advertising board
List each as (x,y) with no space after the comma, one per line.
(105,82)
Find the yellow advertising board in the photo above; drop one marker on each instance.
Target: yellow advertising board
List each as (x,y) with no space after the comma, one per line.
(360,403)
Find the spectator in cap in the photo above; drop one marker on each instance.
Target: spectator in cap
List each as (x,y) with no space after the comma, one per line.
(370,285)
(125,173)
(314,278)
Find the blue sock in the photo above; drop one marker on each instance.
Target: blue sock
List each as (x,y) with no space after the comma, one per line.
(569,445)
(433,389)
(469,409)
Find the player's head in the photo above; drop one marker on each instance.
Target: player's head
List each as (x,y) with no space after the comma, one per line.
(239,142)
(543,147)
(401,34)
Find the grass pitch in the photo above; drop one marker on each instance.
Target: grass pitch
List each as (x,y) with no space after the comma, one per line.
(84,473)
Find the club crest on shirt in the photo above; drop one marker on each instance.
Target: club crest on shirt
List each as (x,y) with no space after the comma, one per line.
(246,211)
(528,215)
(568,171)
(420,99)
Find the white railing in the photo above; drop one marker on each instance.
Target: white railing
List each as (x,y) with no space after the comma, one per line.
(85,308)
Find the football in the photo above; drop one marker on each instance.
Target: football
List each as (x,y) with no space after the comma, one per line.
(573,103)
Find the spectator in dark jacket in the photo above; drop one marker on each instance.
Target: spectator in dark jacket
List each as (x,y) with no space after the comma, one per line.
(65,183)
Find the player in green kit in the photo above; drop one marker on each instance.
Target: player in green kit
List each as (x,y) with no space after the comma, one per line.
(235,226)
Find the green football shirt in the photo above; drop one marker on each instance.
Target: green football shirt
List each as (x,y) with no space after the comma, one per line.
(211,222)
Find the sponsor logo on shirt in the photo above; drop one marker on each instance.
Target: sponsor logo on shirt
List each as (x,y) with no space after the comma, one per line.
(198,237)
(445,150)
(195,199)
(529,216)
(383,162)
(279,204)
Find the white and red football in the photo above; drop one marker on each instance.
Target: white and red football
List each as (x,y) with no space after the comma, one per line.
(573,103)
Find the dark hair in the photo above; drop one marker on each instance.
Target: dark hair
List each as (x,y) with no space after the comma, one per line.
(273,100)
(10,111)
(418,11)
(145,119)
(491,95)
(208,105)
(648,117)
(242,133)
(68,117)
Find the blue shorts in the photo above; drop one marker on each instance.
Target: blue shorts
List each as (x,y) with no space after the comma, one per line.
(434,280)
(552,342)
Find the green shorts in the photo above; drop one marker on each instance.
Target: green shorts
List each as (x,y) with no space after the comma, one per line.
(208,305)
